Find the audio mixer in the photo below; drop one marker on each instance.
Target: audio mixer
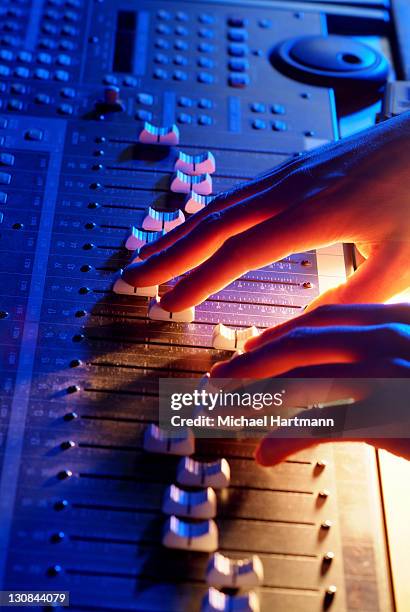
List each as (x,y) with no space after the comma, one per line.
(118,120)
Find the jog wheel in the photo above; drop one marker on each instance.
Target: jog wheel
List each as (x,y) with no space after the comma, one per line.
(355,71)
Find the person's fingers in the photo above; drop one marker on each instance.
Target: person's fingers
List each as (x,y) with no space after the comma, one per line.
(220,202)
(204,239)
(333,315)
(312,346)
(385,273)
(269,241)
(358,421)
(274,450)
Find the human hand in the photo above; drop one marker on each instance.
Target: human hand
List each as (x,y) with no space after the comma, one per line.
(342,342)
(355,190)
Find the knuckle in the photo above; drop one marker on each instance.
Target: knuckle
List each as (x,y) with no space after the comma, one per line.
(392,333)
(298,334)
(325,309)
(234,249)
(210,221)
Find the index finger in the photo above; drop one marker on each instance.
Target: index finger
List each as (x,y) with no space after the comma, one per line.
(219,202)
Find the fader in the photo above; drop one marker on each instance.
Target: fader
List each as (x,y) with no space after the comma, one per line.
(117,120)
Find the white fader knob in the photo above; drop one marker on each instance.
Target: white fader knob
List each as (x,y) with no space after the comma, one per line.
(196,202)
(226,573)
(157,313)
(216,601)
(199,536)
(156,440)
(184,183)
(195,164)
(162,220)
(226,338)
(139,237)
(189,504)
(216,474)
(153,134)
(123,288)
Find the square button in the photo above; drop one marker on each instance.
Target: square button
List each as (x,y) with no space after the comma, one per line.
(238,65)
(238,80)
(145,98)
(6,159)
(34,134)
(237,35)
(235,50)
(3,197)
(5,178)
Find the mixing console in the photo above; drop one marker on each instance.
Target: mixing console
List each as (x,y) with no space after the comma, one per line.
(118,120)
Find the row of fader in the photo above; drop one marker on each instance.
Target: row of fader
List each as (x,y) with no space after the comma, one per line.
(193,177)
(191,503)
(191,506)
(200,533)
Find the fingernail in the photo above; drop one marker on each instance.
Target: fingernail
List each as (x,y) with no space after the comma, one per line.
(249,344)
(165,299)
(217,369)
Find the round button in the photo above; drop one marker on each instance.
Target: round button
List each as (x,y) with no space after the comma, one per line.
(184,118)
(67,92)
(160,58)
(206,18)
(204,103)
(143,115)
(180,45)
(129,81)
(258,124)
(277,109)
(160,43)
(205,33)
(184,102)
(205,62)
(205,77)
(164,15)
(163,29)
(42,99)
(258,107)
(180,60)
(205,47)
(279,126)
(179,75)
(110,79)
(160,74)
(204,120)
(181,16)
(181,31)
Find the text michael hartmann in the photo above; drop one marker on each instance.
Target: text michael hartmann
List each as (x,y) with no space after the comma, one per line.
(243,421)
